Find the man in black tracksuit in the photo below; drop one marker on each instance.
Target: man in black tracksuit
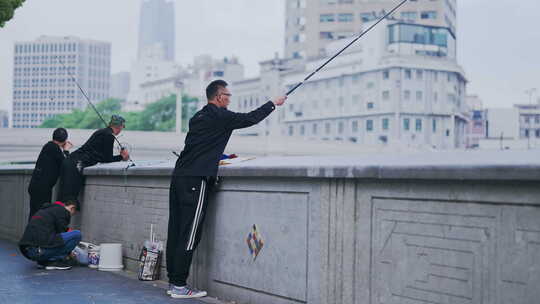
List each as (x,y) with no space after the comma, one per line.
(209,132)
(46,239)
(47,170)
(97,149)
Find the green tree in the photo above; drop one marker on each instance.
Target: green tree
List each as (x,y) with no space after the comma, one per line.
(7,10)
(157,116)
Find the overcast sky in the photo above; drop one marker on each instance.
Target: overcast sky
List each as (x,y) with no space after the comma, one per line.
(498,41)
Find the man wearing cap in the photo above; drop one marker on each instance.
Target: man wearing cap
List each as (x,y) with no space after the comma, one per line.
(47,170)
(97,149)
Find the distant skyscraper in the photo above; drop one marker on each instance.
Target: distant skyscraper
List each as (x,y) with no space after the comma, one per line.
(156,26)
(4,119)
(42,85)
(120,85)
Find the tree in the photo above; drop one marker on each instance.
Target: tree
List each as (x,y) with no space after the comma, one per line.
(157,116)
(7,10)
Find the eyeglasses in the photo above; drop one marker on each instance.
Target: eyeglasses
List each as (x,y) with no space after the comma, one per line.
(226,94)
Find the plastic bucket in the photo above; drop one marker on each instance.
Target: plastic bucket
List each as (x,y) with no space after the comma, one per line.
(110,258)
(93,256)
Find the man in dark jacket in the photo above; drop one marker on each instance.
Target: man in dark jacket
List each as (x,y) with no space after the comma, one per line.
(97,149)
(46,240)
(47,170)
(209,132)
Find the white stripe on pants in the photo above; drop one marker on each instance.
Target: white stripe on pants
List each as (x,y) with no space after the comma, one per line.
(197,219)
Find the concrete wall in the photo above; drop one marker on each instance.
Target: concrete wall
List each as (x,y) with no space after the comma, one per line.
(437,228)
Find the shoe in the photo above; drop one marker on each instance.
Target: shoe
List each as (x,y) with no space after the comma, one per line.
(42,264)
(58,265)
(169,290)
(186,292)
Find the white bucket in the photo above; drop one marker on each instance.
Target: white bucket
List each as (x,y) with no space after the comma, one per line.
(93,256)
(110,258)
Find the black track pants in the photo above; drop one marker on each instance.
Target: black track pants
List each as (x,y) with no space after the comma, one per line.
(188,201)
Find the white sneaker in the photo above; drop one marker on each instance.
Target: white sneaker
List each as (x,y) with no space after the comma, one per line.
(186,292)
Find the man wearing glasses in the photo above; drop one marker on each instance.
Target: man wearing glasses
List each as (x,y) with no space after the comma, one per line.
(193,176)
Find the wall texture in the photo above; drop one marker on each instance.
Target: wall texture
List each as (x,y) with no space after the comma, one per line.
(462,229)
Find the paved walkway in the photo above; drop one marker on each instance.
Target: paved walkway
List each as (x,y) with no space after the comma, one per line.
(22,282)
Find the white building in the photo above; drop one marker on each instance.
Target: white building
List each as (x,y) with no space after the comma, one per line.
(400,85)
(151,67)
(42,85)
(312,24)
(120,85)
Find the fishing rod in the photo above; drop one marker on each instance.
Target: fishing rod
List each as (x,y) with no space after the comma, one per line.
(132,163)
(346,47)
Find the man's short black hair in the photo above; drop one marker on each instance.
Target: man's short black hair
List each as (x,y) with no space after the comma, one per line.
(212,89)
(60,135)
(72,201)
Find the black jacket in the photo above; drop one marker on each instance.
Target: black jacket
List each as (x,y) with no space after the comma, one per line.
(45,227)
(97,149)
(209,132)
(47,167)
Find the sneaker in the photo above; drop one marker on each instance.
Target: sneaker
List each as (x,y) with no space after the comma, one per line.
(186,292)
(58,265)
(42,264)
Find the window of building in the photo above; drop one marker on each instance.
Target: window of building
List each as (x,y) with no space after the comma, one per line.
(386,74)
(369,125)
(526,132)
(327,128)
(406,124)
(327,18)
(407,94)
(365,17)
(345,17)
(355,79)
(370,85)
(434,125)
(537,132)
(326,35)
(340,127)
(447,133)
(354,126)
(370,105)
(419,125)
(435,97)
(428,15)
(385,124)
(419,74)
(419,95)
(408,74)
(291,130)
(302,130)
(435,76)
(314,129)
(386,95)
(409,16)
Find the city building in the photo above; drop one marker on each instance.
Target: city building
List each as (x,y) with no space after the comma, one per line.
(156,26)
(4,119)
(529,123)
(399,86)
(120,85)
(476,126)
(311,25)
(43,74)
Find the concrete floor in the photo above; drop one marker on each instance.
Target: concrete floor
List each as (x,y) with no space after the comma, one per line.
(22,282)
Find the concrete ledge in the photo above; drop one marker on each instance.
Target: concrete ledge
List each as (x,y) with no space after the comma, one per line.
(494,165)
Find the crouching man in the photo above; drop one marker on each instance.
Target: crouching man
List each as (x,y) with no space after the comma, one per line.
(46,240)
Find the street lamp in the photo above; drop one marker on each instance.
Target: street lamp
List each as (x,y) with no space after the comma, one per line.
(179,85)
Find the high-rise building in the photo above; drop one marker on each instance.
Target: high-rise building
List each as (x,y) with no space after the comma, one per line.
(120,85)
(400,86)
(42,77)
(311,25)
(156,26)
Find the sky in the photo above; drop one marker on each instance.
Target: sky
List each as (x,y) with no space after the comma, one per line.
(498,41)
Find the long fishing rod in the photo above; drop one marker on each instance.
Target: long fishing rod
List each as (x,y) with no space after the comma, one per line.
(343,49)
(132,163)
